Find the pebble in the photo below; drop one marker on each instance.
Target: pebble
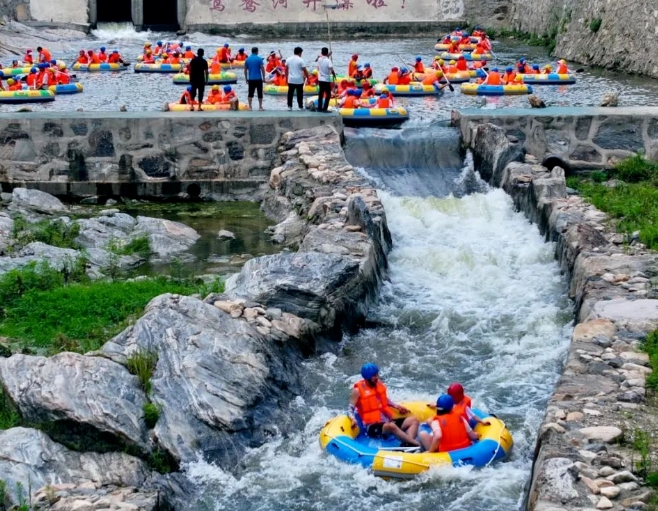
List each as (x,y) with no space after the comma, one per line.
(624,476)
(605,434)
(604,503)
(574,416)
(591,485)
(606,471)
(611,492)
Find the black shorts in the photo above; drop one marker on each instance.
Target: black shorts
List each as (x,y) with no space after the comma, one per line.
(255,85)
(197,90)
(375,430)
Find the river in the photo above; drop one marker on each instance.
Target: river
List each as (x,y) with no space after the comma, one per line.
(474,295)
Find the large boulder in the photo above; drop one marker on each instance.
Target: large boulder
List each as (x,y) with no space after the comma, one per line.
(31,458)
(493,151)
(87,402)
(37,201)
(217,381)
(315,286)
(6,229)
(100,232)
(166,238)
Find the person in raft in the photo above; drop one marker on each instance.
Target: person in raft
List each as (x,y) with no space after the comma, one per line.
(463,404)
(370,401)
(450,430)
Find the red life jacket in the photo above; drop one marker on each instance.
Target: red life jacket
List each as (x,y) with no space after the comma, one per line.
(32,80)
(228,97)
(102,56)
(419,67)
(373,401)
(383,103)
(393,78)
(241,57)
(82,59)
(189,54)
(493,79)
(224,55)
(453,432)
(114,58)
(460,408)
(562,69)
(27,58)
(186,99)
(462,65)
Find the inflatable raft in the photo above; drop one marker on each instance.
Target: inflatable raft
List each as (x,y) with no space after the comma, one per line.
(23,70)
(415,89)
(461,77)
(340,78)
(467,56)
(158,68)
(218,79)
(275,90)
(549,79)
(477,73)
(476,89)
(217,107)
(26,96)
(98,68)
(66,88)
(387,459)
(463,47)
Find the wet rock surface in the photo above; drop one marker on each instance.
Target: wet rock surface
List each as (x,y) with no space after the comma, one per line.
(581,460)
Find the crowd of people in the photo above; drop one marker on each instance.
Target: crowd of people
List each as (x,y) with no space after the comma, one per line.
(451,428)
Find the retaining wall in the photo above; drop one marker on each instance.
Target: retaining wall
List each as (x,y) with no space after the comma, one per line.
(582,138)
(217,155)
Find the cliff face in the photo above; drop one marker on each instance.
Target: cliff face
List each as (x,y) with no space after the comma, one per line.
(606,33)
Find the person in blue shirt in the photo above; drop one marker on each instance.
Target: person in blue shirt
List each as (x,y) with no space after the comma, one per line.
(254,73)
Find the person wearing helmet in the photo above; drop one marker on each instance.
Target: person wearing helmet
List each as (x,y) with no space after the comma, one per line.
(188,54)
(367,91)
(148,57)
(493,78)
(453,48)
(102,56)
(463,404)
(562,68)
(93,58)
(509,76)
(393,77)
(405,77)
(312,78)
(114,57)
(44,54)
(383,101)
(450,430)
(522,66)
(27,58)
(479,49)
(175,59)
(230,97)
(186,98)
(466,39)
(32,78)
(82,58)
(548,69)
(14,84)
(418,66)
(461,64)
(273,62)
(147,46)
(157,51)
(215,95)
(241,55)
(535,69)
(370,402)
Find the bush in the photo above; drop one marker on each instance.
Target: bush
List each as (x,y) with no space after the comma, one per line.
(598,176)
(151,414)
(43,312)
(650,346)
(9,417)
(636,169)
(51,232)
(140,246)
(142,364)
(595,25)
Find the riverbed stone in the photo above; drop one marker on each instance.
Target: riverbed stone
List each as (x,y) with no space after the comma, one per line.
(605,434)
(634,315)
(85,401)
(166,237)
(37,201)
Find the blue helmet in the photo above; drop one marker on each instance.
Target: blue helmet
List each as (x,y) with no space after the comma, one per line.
(227,88)
(53,62)
(115,51)
(465,34)
(509,69)
(43,65)
(159,43)
(369,370)
(188,48)
(419,58)
(241,50)
(383,96)
(225,45)
(33,70)
(189,89)
(522,60)
(404,70)
(535,67)
(102,48)
(495,70)
(444,403)
(367,64)
(181,43)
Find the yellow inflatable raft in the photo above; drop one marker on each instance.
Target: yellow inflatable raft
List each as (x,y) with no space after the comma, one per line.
(480,89)
(26,96)
(275,90)
(217,107)
(213,79)
(387,459)
(96,68)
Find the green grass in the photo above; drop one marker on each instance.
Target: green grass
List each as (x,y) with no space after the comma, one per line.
(9,417)
(650,346)
(595,25)
(142,364)
(52,232)
(41,311)
(633,203)
(151,414)
(140,246)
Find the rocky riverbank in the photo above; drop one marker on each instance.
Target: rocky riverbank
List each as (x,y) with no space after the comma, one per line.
(583,456)
(219,364)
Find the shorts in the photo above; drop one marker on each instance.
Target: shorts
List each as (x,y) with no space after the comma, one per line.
(375,430)
(197,90)
(255,85)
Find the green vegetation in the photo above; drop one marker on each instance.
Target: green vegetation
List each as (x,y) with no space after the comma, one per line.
(142,364)
(9,417)
(53,311)
(595,25)
(633,202)
(650,346)
(161,462)
(151,414)
(139,246)
(52,232)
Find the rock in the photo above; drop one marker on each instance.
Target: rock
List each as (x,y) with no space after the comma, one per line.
(611,492)
(574,416)
(88,401)
(634,315)
(493,151)
(604,503)
(217,380)
(58,258)
(591,485)
(632,396)
(166,238)
(607,434)
(234,309)
(225,235)
(535,102)
(628,487)
(610,99)
(622,477)
(30,455)
(289,232)
(594,329)
(318,287)
(35,200)
(606,471)
(107,228)
(6,229)
(635,357)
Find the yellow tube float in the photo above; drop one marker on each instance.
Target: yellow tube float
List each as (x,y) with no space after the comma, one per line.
(26,96)
(282,90)
(467,56)
(66,88)
(217,107)
(481,89)
(97,68)
(213,79)
(387,459)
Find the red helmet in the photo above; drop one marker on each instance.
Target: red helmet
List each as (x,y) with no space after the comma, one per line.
(456,391)
(355,56)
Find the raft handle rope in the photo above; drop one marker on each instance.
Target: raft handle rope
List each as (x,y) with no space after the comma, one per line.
(500,436)
(377,454)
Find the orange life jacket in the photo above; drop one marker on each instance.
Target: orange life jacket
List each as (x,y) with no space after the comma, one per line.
(44,55)
(148,60)
(524,69)
(16,86)
(367,93)
(453,70)
(367,72)
(352,67)
(562,69)
(227,97)
(508,78)
(51,79)
(453,432)
(189,54)
(241,57)
(312,80)
(215,97)
(493,79)
(430,79)
(419,67)
(393,78)
(280,80)
(93,59)
(157,50)
(114,58)
(102,56)
(272,64)
(32,80)
(404,79)
(465,40)
(215,68)
(462,65)
(27,58)
(383,103)
(460,408)
(82,59)
(373,401)
(224,55)
(174,60)
(453,48)
(186,99)
(63,78)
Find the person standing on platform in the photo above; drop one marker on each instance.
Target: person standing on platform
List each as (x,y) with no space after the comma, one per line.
(198,77)
(254,73)
(326,77)
(296,74)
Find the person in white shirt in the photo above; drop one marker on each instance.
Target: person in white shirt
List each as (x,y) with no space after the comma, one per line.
(326,77)
(296,74)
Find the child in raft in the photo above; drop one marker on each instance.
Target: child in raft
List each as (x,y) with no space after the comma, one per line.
(450,429)
(463,404)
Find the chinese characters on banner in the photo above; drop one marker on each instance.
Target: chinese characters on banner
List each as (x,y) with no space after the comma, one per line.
(252,5)
(282,3)
(249,5)
(376,3)
(217,5)
(311,4)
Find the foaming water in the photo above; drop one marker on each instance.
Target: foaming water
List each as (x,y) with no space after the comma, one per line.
(474,296)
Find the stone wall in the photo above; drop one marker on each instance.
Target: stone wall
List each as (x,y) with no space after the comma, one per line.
(582,458)
(82,154)
(581,138)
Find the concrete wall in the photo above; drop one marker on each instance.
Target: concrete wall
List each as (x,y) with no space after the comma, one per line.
(584,138)
(222,155)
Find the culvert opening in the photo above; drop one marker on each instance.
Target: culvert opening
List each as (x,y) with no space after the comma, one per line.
(550,162)
(161,15)
(193,190)
(114,11)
